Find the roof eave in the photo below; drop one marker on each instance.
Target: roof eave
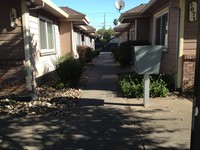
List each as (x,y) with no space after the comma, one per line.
(131,18)
(87,19)
(120,18)
(126,16)
(52,8)
(77,19)
(81,27)
(120,29)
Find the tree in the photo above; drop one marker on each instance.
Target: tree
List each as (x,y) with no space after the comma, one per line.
(115,22)
(105,35)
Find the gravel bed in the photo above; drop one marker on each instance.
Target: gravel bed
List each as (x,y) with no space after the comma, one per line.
(49,102)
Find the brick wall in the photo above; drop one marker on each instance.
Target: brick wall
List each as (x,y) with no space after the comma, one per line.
(188,73)
(12,78)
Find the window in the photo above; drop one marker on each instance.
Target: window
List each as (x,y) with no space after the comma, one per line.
(47,37)
(161,32)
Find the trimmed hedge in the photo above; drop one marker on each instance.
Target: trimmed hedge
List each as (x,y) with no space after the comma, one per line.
(124,51)
(115,52)
(69,70)
(96,52)
(85,53)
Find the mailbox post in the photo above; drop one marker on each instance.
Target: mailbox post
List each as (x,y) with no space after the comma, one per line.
(146,89)
(147,61)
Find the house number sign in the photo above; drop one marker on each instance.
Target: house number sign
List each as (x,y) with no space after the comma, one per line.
(192,11)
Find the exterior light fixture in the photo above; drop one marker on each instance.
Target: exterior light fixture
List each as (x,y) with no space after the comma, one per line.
(13,17)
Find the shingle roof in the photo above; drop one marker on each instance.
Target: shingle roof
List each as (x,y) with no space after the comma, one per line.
(77,17)
(122,26)
(137,9)
(71,11)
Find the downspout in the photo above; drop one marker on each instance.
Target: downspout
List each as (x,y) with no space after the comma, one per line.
(27,61)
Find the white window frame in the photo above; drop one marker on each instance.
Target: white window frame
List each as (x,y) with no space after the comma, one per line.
(155,17)
(47,51)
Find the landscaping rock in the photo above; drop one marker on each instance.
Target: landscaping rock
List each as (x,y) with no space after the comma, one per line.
(49,102)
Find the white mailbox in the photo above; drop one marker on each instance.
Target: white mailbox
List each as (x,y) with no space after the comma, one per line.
(147,59)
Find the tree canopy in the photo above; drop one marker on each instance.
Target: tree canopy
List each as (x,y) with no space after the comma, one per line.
(105,35)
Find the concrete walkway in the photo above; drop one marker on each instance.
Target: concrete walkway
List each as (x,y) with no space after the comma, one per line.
(104,121)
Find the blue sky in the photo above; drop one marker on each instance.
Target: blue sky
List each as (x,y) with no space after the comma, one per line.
(95,9)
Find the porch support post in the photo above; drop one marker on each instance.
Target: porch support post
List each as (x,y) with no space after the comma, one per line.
(74,40)
(181,41)
(27,53)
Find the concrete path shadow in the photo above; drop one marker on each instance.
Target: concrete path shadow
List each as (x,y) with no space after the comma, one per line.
(102,121)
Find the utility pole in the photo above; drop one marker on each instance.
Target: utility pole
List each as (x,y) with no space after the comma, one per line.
(195,133)
(104,23)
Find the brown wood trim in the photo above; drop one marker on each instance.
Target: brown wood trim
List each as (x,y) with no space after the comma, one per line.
(8,37)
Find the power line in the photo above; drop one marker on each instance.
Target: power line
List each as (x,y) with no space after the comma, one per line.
(102,13)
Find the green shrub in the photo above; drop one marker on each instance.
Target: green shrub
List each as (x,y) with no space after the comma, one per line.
(88,55)
(69,70)
(85,53)
(115,52)
(158,87)
(125,54)
(132,85)
(95,53)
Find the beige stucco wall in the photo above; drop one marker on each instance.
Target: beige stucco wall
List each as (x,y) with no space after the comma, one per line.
(65,37)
